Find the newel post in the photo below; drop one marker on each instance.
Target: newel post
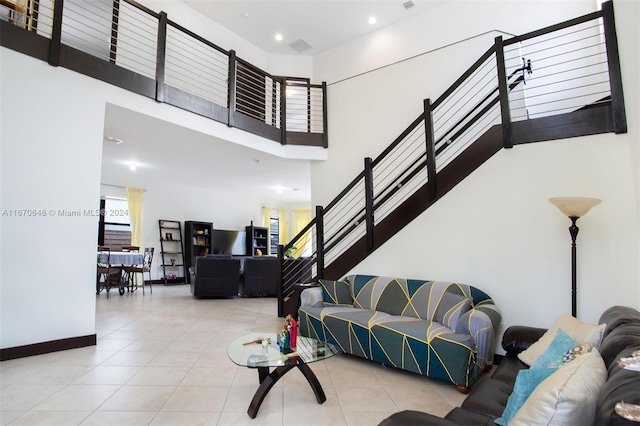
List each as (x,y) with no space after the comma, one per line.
(325,129)
(231,101)
(431,149)
(283,111)
(280,280)
(615,76)
(161,54)
(368,199)
(56,34)
(320,240)
(503,94)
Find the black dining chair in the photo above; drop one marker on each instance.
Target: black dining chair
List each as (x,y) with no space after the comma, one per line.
(107,275)
(132,271)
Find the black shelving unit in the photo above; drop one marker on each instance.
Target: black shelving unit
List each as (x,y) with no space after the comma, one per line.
(171,254)
(257,239)
(197,242)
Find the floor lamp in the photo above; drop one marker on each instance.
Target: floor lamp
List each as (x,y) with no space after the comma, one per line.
(574,208)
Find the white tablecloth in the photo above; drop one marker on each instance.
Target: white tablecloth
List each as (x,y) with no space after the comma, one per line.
(126,258)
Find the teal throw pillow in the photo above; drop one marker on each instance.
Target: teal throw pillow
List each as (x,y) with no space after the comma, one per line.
(526,382)
(560,344)
(336,293)
(451,306)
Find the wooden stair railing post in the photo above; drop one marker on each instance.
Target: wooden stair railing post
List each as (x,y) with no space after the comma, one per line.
(431,149)
(283,111)
(161,55)
(368,199)
(325,130)
(231,96)
(503,94)
(320,240)
(613,62)
(56,34)
(280,281)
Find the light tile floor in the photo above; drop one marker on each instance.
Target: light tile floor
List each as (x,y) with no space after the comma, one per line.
(161,360)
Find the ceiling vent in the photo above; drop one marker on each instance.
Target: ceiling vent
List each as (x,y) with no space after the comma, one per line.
(408,4)
(300,45)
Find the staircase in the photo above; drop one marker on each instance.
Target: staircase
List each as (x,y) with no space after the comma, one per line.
(559,82)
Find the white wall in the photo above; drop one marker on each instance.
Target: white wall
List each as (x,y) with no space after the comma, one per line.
(53,163)
(496,230)
(447,23)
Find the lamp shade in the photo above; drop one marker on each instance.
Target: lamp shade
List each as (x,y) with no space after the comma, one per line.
(574,206)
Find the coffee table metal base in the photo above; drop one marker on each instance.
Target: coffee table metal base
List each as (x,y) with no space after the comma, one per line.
(268,379)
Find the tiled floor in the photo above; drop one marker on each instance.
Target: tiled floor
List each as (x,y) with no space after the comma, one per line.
(161,360)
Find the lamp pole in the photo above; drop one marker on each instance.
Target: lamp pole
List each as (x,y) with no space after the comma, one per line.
(573,230)
(574,208)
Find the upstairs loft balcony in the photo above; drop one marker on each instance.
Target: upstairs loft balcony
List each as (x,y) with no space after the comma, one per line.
(130,46)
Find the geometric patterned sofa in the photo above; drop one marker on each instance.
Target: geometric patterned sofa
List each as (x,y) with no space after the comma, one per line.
(442,330)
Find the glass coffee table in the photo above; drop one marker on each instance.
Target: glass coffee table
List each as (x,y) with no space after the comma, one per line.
(248,351)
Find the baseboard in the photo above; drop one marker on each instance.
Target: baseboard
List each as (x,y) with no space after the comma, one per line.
(47,347)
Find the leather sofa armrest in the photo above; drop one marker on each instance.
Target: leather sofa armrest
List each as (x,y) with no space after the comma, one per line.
(411,417)
(517,338)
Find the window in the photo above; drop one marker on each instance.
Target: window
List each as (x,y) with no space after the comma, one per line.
(274,232)
(114,230)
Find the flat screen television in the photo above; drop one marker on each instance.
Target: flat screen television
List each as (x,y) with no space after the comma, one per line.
(229,242)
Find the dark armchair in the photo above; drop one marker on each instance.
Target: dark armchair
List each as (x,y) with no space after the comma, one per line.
(215,276)
(261,276)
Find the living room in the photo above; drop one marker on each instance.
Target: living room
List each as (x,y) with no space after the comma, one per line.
(496,230)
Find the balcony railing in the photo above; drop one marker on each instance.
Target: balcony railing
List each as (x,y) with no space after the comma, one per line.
(559,82)
(126,44)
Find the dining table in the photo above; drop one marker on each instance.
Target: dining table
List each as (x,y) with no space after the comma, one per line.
(120,259)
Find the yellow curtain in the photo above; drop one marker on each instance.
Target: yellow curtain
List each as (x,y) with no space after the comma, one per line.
(301,218)
(266,216)
(134,202)
(282,217)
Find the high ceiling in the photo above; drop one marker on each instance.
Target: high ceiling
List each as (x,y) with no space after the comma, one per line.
(322,24)
(193,159)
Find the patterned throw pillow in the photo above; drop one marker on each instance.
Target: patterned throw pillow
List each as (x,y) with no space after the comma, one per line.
(570,355)
(559,346)
(450,308)
(336,293)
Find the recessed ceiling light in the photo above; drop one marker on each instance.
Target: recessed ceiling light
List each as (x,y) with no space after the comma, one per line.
(132,166)
(373,20)
(279,37)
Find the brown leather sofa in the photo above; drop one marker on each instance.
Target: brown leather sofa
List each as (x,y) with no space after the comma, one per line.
(487,400)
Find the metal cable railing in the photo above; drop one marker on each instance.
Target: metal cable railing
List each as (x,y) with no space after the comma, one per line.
(570,70)
(117,33)
(147,53)
(196,67)
(304,106)
(36,16)
(559,70)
